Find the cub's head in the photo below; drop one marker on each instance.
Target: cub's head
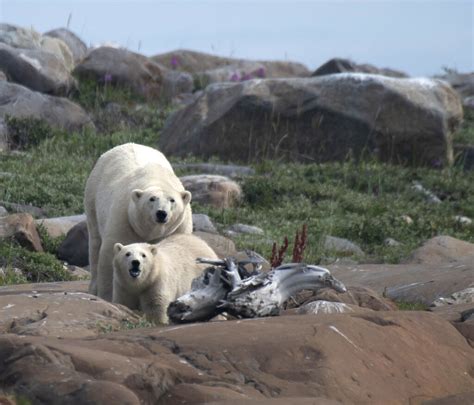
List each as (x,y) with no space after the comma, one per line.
(159,206)
(133,263)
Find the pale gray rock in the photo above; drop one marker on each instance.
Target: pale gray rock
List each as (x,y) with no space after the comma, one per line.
(3,211)
(77,47)
(18,37)
(465,296)
(203,223)
(461,219)
(468,103)
(245,229)
(60,226)
(341,246)
(324,307)
(38,70)
(391,242)
(214,190)
(58,112)
(430,197)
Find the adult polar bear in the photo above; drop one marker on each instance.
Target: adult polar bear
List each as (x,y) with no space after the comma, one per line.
(132,195)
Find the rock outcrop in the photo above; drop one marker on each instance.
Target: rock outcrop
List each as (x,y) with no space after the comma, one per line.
(18,101)
(340,357)
(323,118)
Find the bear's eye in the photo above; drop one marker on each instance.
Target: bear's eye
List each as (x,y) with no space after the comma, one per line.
(128,254)
(172,200)
(143,255)
(152,199)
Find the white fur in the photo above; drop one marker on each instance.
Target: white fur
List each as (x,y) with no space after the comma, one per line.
(118,207)
(166,272)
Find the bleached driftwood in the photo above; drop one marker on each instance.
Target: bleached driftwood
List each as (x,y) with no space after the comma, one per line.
(228,286)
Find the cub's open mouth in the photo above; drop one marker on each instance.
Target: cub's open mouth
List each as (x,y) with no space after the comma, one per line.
(134,272)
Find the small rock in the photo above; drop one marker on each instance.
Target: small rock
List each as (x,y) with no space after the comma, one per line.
(223,246)
(3,211)
(202,222)
(77,47)
(22,228)
(61,225)
(78,272)
(341,245)
(23,208)
(465,296)
(324,307)
(355,295)
(463,220)
(217,191)
(430,197)
(75,247)
(441,249)
(407,219)
(391,242)
(242,228)
(468,103)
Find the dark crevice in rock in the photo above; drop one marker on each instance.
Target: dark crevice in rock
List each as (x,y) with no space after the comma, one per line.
(377,320)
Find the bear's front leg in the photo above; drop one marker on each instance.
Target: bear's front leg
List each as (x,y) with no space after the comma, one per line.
(123,296)
(154,306)
(105,271)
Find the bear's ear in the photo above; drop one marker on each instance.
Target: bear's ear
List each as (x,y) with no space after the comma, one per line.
(136,194)
(186,196)
(117,247)
(153,250)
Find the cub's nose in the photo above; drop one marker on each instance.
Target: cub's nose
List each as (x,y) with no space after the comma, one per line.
(161,216)
(136,263)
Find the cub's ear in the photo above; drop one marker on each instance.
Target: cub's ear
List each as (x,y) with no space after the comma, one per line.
(153,250)
(117,247)
(136,194)
(186,196)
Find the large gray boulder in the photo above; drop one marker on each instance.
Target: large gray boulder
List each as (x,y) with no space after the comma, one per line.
(18,101)
(339,65)
(199,62)
(319,119)
(120,67)
(463,83)
(22,38)
(18,37)
(36,69)
(77,47)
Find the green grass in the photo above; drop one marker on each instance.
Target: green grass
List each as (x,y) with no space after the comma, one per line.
(465,134)
(411,306)
(22,266)
(125,325)
(363,202)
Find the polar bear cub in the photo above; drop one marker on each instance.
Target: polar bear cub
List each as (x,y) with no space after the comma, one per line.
(149,277)
(132,195)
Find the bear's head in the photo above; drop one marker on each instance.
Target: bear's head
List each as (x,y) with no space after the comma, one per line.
(157,213)
(133,264)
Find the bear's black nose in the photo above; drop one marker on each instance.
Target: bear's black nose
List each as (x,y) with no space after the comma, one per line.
(161,216)
(135,263)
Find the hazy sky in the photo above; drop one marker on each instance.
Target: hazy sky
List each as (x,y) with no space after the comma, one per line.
(417,36)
